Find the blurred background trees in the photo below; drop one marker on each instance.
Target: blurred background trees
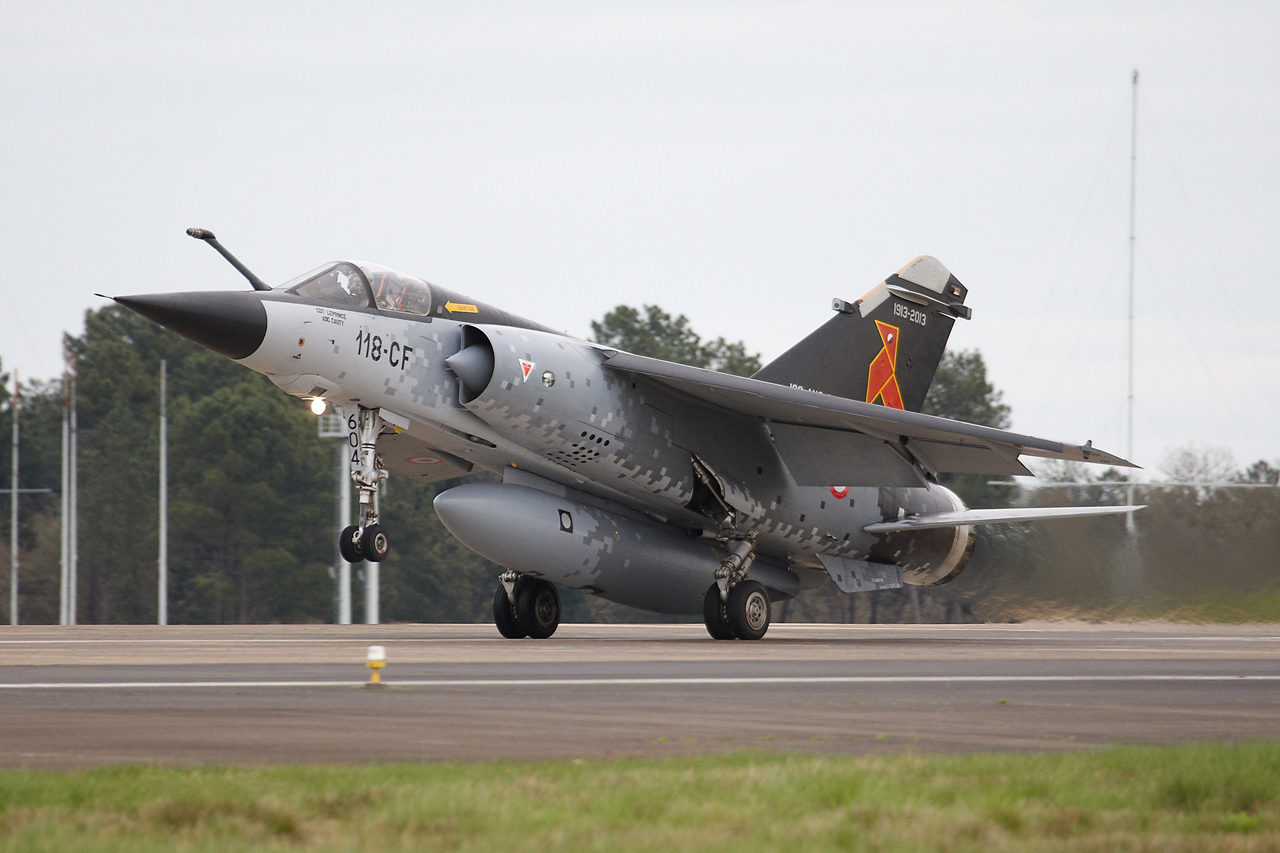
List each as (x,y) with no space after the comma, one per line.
(252,490)
(659,335)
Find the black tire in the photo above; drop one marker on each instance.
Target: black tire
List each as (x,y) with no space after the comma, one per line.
(348,547)
(538,608)
(713,615)
(374,544)
(747,610)
(504,616)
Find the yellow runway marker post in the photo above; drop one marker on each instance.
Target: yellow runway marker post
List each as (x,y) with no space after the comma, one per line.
(376,661)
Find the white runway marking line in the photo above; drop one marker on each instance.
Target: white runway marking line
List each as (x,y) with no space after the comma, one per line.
(355,641)
(622,682)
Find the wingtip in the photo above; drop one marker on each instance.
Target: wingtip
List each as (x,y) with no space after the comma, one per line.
(1094,456)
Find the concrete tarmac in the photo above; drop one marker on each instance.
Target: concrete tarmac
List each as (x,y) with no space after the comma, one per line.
(92,695)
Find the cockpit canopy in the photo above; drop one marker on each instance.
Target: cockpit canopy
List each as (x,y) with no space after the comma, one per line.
(350,285)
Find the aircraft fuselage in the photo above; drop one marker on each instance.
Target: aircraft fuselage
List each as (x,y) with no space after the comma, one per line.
(564,417)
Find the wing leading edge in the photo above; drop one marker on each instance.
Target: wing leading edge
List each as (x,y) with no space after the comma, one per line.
(936,445)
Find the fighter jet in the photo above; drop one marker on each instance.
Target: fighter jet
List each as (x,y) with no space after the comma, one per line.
(660,486)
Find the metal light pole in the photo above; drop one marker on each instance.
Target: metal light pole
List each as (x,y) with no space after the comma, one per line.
(13,514)
(371,591)
(64,563)
(162,583)
(73,545)
(344,518)
(333,425)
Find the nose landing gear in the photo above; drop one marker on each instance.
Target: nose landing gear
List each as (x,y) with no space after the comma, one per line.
(366,541)
(363,543)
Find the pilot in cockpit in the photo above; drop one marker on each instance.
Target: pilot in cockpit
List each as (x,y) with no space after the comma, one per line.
(347,284)
(388,294)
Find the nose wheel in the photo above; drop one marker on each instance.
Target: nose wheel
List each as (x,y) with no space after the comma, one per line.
(349,544)
(363,543)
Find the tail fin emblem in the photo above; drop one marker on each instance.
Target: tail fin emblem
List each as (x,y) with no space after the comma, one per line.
(882,379)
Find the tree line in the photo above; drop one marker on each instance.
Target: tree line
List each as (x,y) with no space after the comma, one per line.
(252,489)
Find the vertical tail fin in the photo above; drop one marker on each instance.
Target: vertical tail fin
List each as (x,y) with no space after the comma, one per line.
(885,347)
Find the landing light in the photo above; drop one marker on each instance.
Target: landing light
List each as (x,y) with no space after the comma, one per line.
(318,406)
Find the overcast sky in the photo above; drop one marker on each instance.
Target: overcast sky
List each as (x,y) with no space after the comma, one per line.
(738,162)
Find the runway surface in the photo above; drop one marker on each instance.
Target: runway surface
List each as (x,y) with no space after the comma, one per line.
(92,695)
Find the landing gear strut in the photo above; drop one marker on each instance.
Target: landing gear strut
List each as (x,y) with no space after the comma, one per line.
(525,607)
(735,607)
(366,541)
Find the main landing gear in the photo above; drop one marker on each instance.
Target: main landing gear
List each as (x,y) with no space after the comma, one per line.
(365,541)
(735,607)
(524,606)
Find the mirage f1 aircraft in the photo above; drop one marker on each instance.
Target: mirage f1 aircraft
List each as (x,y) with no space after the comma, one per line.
(656,485)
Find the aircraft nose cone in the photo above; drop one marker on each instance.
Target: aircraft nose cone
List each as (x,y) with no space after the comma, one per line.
(231,323)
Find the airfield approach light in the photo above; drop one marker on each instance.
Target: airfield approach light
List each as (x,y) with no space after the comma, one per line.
(318,406)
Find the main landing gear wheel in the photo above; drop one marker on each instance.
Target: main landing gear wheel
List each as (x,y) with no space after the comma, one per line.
(714,616)
(538,608)
(504,616)
(348,546)
(747,610)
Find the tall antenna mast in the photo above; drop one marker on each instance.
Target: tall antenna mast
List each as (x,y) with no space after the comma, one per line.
(1133,194)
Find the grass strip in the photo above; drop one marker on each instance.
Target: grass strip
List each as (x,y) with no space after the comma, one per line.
(1201,607)
(1185,798)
